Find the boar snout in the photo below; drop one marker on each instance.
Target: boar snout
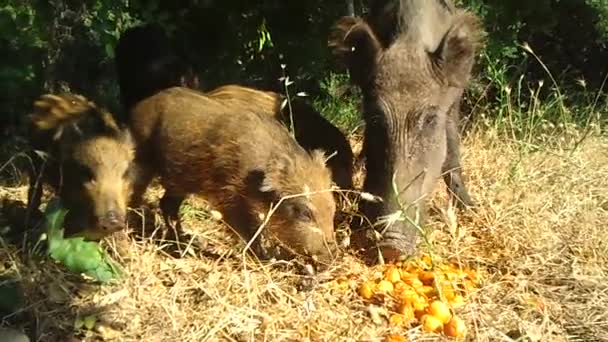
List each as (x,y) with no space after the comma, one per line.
(112,221)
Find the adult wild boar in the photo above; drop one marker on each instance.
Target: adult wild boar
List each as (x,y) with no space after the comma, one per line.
(146,62)
(311,130)
(88,163)
(241,161)
(411,59)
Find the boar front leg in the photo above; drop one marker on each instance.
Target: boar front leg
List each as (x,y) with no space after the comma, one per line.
(169,206)
(452,169)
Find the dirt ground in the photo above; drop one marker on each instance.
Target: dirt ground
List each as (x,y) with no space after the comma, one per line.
(539,242)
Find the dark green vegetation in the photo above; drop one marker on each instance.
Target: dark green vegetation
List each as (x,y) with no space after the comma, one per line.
(50,45)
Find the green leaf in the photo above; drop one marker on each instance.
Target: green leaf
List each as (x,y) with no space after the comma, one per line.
(78,323)
(89,321)
(76,254)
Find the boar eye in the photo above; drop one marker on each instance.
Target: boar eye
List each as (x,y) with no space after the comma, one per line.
(87,174)
(430,119)
(301,212)
(84,173)
(79,171)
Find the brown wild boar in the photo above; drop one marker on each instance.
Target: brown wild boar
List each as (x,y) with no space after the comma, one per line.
(411,60)
(311,130)
(239,160)
(88,163)
(146,63)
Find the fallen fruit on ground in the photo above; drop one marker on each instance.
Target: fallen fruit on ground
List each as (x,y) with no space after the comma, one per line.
(431,323)
(393,275)
(422,292)
(385,286)
(366,290)
(441,311)
(395,338)
(455,327)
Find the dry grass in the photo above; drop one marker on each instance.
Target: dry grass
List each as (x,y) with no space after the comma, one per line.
(539,241)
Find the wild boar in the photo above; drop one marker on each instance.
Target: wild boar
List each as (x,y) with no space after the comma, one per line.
(240,161)
(88,163)
(146,63)
(311,130)
(411,59)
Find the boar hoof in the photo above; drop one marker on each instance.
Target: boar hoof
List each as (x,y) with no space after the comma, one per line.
(465,202)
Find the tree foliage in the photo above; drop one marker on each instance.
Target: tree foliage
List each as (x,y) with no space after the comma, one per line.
(59,44)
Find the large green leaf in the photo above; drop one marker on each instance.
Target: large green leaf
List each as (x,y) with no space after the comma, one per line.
(76,254)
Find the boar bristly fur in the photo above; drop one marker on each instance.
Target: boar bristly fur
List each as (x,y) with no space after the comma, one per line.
(311,130)
(241,161)
(412,60)
(87,160)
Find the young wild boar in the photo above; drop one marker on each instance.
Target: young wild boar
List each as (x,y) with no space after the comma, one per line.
(146,63)
(241,161)
(411,59)
(88,163)
(311,130)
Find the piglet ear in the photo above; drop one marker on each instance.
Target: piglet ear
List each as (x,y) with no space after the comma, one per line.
(319,157)
(455,54)
(127,139)
(259,184)
(355,44)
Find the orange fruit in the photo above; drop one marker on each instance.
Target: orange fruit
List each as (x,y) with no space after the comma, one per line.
(410,267)
(426,259)
(366,290)
(426,277)
(408,294)
(395,338)
(400,287)
(420,304)
(406,310)
(448,292)
(398,320)
(427,290)
(341,283)
(441,311)
(406,275)
(392,274)
(455,327)
(413,282)
(431,323)
(385,286)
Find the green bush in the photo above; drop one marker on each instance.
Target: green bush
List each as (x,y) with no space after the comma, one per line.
(49,46)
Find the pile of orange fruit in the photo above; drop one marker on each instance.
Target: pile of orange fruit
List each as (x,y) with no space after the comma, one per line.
(423,293)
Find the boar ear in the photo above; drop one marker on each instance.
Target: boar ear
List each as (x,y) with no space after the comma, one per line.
(455,54)
(260,184)
(355,44)
(318,156)
(126,137)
